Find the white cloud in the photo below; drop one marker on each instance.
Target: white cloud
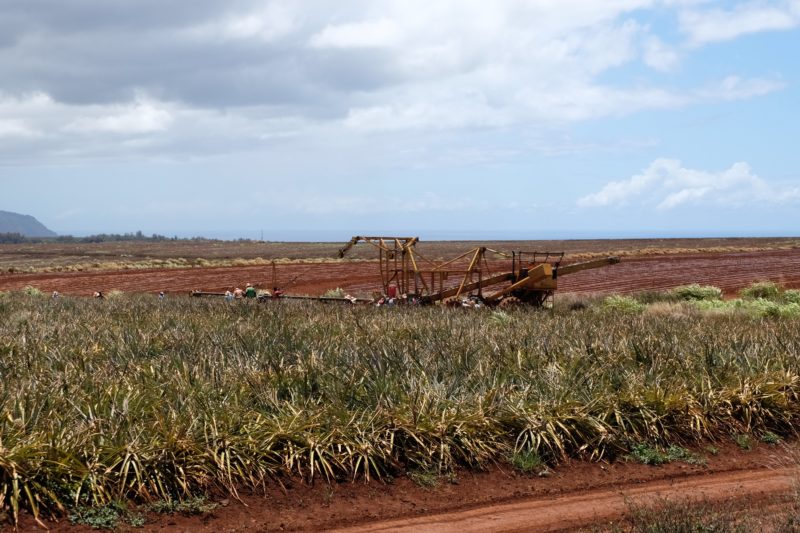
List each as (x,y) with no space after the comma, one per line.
(16,129)
(736,88)
(272,22)
(659,55)
(715,25)
(140,116)
(666,184)
(267,23)
(380,33)
(280,71)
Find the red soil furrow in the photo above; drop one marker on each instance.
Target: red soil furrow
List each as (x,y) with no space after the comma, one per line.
(729,271)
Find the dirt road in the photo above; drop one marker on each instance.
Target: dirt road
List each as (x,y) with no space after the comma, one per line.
(594,507)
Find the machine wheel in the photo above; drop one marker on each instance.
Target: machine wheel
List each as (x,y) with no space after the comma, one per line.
(510,301)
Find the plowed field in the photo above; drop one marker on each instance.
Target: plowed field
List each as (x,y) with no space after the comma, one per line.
(730,271)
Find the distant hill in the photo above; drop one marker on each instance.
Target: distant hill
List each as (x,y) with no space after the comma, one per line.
(23,224)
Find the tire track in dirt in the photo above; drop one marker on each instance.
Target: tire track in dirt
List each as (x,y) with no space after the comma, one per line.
(593,507)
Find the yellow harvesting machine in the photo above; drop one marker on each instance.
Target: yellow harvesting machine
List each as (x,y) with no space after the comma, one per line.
(483,274)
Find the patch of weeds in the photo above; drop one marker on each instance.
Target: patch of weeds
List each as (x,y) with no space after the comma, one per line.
(713,450)
(651,455)
(193,506)
(109,516)
(770,438)
(424,478)
(136,520)
(647,454)
(744,441)
(528,461)
(677,453)
(667,516)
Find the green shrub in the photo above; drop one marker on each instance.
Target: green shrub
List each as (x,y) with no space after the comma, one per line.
(192,506)
(770,438)
(334,293)
(758,307)
(792,296)
(527,461)
(427,479)
(744,441)
(32,291)
(108,516)
(768,308)
(697,292)
(766,290)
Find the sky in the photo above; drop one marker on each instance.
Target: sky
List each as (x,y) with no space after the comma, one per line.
(318,120)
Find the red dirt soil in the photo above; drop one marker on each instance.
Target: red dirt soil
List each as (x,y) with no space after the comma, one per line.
(729,271)
(578,494)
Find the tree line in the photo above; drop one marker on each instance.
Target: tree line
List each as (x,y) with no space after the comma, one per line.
(19,238)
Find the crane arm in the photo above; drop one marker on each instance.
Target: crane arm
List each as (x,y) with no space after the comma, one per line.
(468,287)
(586,265)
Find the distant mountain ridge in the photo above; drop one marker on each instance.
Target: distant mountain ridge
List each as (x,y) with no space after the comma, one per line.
(24,224)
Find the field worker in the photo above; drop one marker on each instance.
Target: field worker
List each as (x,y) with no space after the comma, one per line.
(238,293)
(391,292)
(276,292)
(228,296)
(250,291)
(99,295)
(55,295)
(161,296)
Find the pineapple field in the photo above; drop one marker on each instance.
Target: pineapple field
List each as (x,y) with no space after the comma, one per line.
(148,402)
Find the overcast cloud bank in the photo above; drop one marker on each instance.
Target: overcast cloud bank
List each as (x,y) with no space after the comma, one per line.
(332,104)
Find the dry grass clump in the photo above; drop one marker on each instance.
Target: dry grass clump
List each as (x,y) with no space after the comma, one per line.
(134,399)
(673,309)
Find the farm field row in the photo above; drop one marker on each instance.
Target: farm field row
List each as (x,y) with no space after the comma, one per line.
(730,271)
(99,256)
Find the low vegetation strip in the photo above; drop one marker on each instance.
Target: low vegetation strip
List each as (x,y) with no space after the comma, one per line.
(137,399)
